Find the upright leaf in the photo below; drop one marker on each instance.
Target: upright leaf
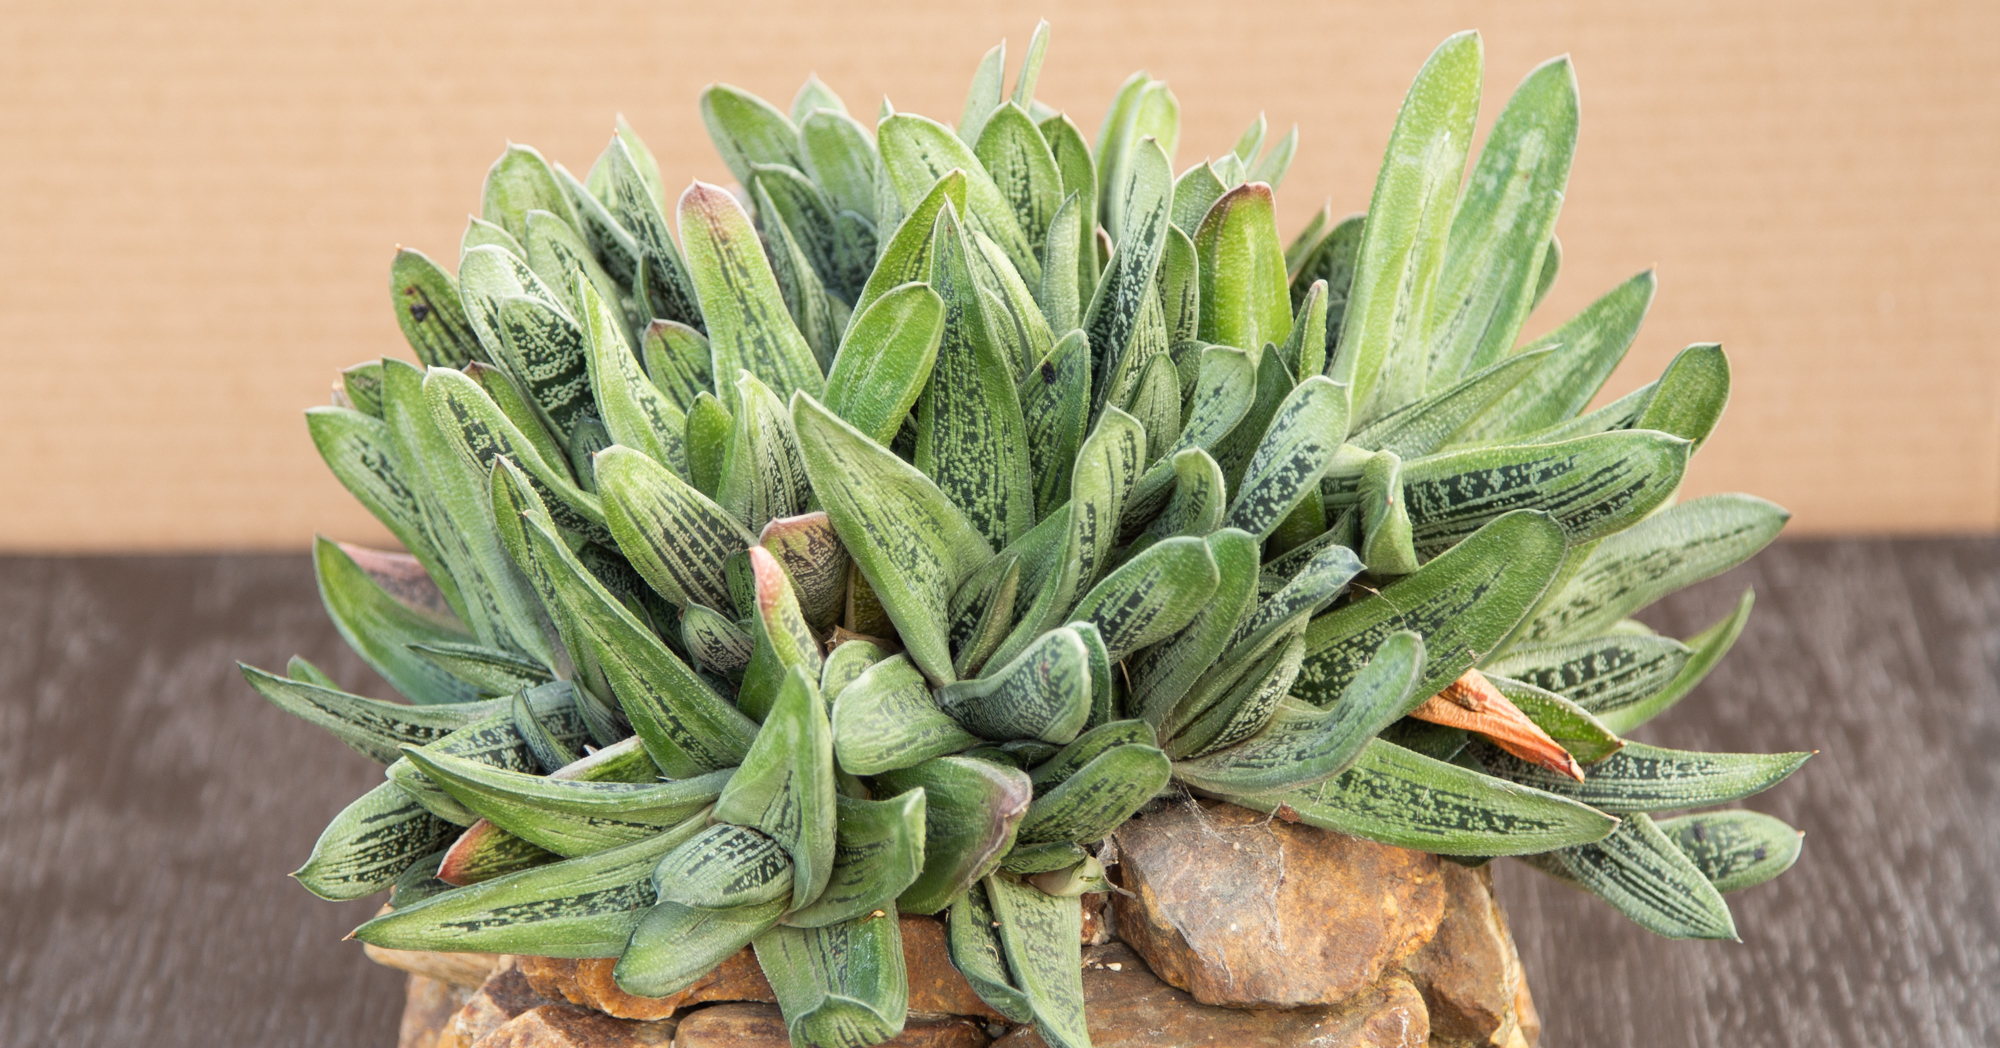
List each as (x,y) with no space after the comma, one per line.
(748,326)
(785,785)
(1382,354)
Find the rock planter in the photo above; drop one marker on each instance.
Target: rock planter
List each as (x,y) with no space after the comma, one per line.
(1233,928)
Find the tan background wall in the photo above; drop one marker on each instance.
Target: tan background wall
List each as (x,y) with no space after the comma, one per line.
(199,198)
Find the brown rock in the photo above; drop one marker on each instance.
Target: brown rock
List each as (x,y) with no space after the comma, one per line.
(936,987)
(589,983)
(560,1026)
(1528,1020)
(1245,911)
(428,1008)
(761,1026)
(463,970)
(1469,973)
(500,998)
(1127,1007)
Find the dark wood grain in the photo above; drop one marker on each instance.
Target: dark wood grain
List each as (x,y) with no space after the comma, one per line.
(150,805)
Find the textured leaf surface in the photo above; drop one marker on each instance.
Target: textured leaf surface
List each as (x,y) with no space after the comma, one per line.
(842,985)
(1406,800)
(674,535)
(372,727)
(1672,549)
(1642,778)
(583,907)
(380,629)
(1381,354)
(1592,486)
(1041,936)
(1587,348)
(1303,745)
(1493,258)
(1297,447)
(1462,604)
(971,437)
(569,817)
(971,810)
(1638,870)
(885,360)
(974,942)
(1044,693)
(1735,849)
(1603,674)
(879,853)
(724,867)
(911,543)
(1151,596)
(917,151)
(370,843)
(748,325)
(1098,797)
(1245,300)
(785,786)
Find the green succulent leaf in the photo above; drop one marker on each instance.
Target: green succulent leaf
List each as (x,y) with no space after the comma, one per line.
(1304,745)
(887,720)
(840,156)
(971,436)
(1014,154)
(428,309)
(748,131)
(1461,603)
(635,412)
(1642,778)
(1592,486)
(1079,178)
(483,435)
(672,945)
(1163,673)
(906,256)
(1042,937)
(1044,693)
(370,843)
(1674,548)
(1245,300)
(1401,798)
(584,907)
(1055,409)
(844,665)
(1298,446)
(971,810)
(1691,393)
(1604,674)
(763,475)
(839,985)
(1494,255)
(1152,596)
(973,939)
(879,853)
(1710,645)
(1431,423)
(749,327)
(371,727)
(380,629)
(1587,348)
(1638,870)
(725,867)
(1127,286)
(917,151)
(1570,725)
(567,816)
(885,360)
(1734,849)
(675,537)
(910,542)
(1381,354)
(785,786)
(1095,799)
(520,182)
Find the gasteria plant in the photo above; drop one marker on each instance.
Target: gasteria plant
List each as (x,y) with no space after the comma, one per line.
(943,496)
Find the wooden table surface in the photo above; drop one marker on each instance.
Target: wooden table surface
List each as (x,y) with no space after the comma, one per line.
(150,805)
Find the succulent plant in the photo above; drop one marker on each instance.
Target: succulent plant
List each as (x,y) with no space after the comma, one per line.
(941,497)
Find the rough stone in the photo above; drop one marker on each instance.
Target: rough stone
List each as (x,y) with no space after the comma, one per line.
(1469,973)
(506,994)
(463,970)
(1245,911)
(1126,1006)
(761,1026)
(428,1008)
(936,988)
(589,983)
(1529,1020)
(560,1026)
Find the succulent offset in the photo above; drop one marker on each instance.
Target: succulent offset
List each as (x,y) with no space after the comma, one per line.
(941,497)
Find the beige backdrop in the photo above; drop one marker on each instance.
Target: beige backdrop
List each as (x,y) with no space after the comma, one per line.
(199,199)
